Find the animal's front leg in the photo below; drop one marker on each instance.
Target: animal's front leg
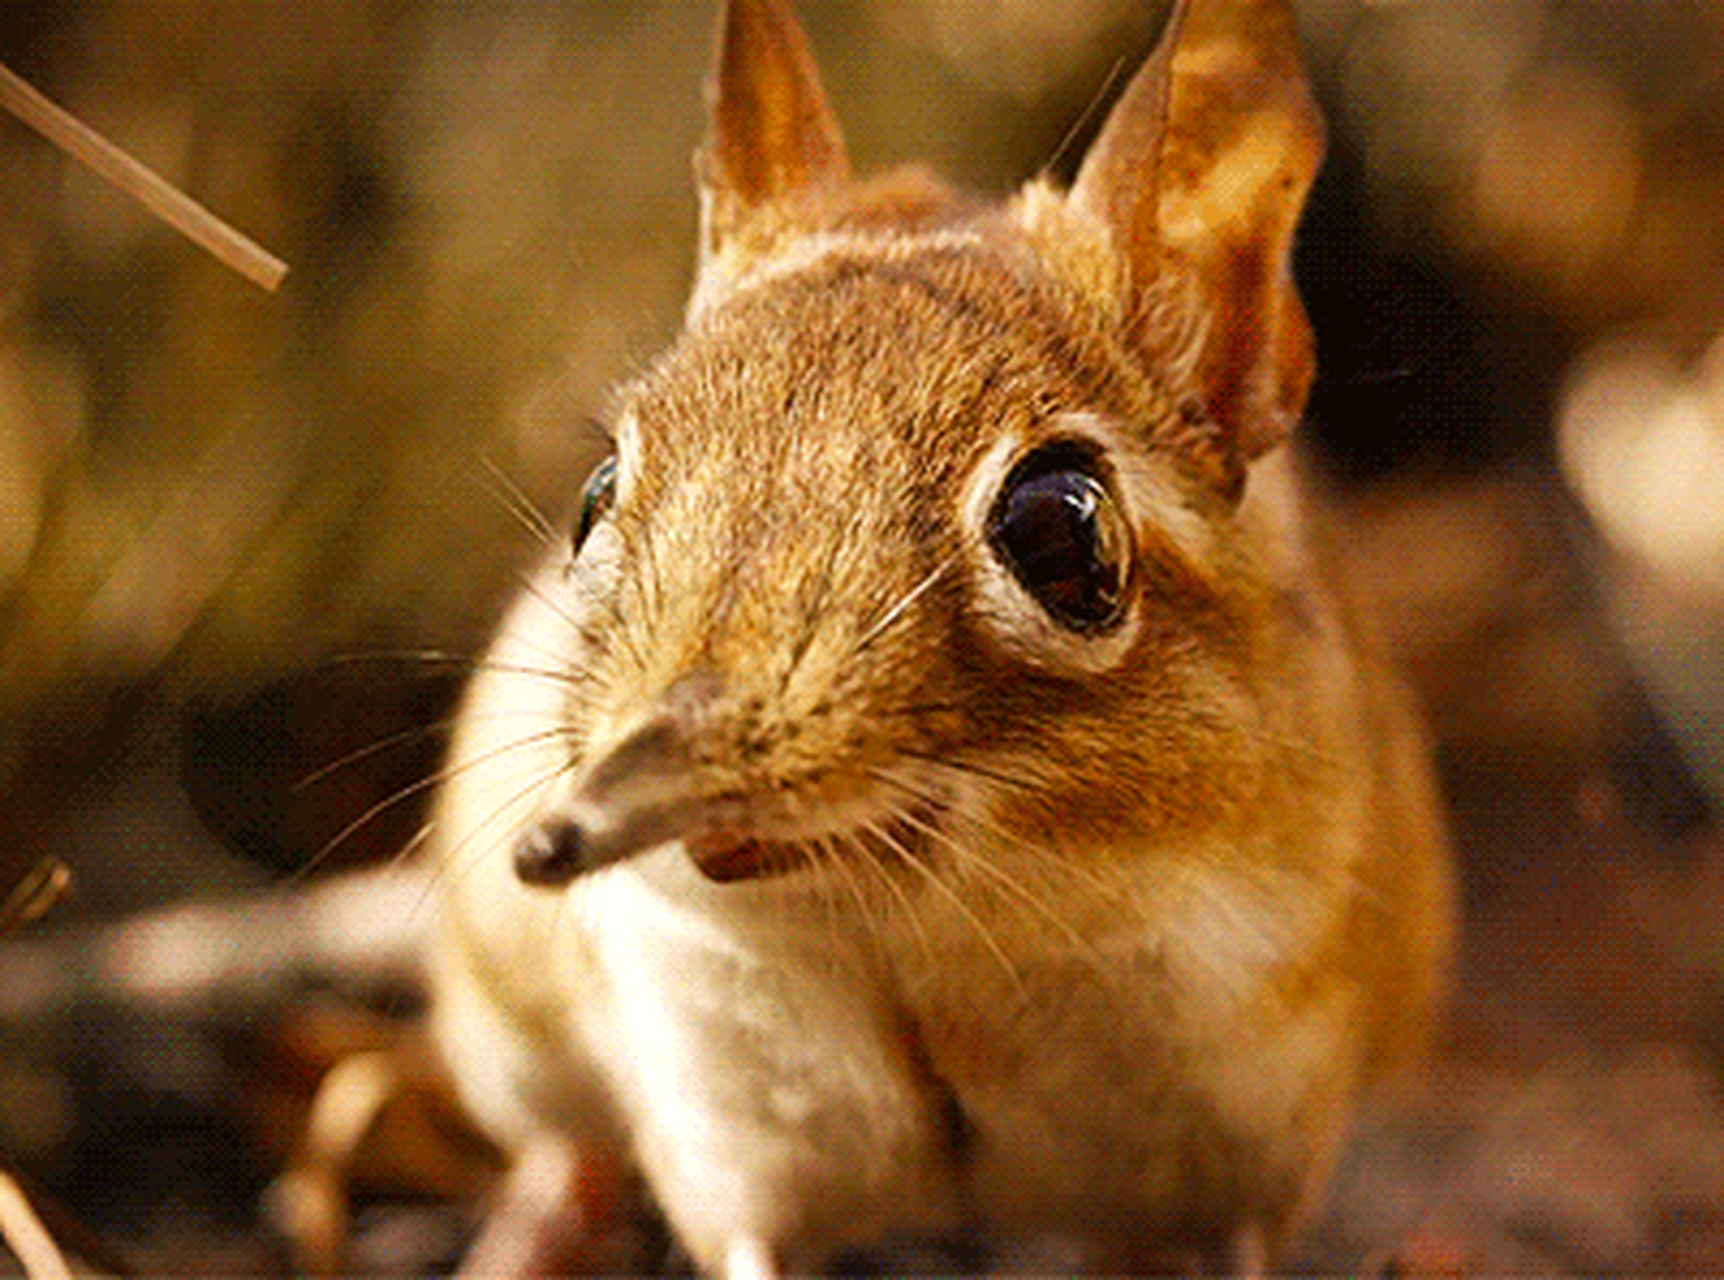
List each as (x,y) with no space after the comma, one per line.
(750,1258)
(1248,1253)
(776,1106)
(759,1169)
(562,1211)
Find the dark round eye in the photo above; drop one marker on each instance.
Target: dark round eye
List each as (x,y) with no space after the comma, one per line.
(1059,530)
(596,499)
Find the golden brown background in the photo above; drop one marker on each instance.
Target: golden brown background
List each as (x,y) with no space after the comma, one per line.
(244,536)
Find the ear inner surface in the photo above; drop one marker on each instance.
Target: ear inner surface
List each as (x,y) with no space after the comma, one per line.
(1119,180)
(1201,174)
(770,130)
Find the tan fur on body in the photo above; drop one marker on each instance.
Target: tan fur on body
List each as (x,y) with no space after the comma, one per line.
(1004,925)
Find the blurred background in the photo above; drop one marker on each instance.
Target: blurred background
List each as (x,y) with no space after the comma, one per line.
(248,537)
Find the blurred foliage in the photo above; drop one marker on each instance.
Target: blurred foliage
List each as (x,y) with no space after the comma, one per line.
(208,494)
(488,212)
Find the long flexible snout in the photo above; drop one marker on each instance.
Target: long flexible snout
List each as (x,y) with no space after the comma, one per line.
(639,794)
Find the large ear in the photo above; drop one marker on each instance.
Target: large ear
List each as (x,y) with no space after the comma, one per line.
(1200,174)
(770,133)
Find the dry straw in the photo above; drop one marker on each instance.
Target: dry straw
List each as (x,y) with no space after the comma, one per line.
(161,197)
(35,895)
(23,1232)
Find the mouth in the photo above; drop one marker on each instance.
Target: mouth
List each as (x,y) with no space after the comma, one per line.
(902,839)
(727,859)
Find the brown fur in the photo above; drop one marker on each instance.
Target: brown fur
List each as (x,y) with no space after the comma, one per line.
(1144,910)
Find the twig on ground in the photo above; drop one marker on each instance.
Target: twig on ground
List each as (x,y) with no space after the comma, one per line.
(35,895)
(25,1235)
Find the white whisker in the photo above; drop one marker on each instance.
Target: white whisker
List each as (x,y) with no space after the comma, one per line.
(451,856)
(1038,854)
(904,603)
(518,504)
(1005,881)
(946,891)
(911,916)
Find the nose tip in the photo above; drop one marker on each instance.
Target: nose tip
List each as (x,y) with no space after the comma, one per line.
(550,854)
(562,846)
(636,793)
